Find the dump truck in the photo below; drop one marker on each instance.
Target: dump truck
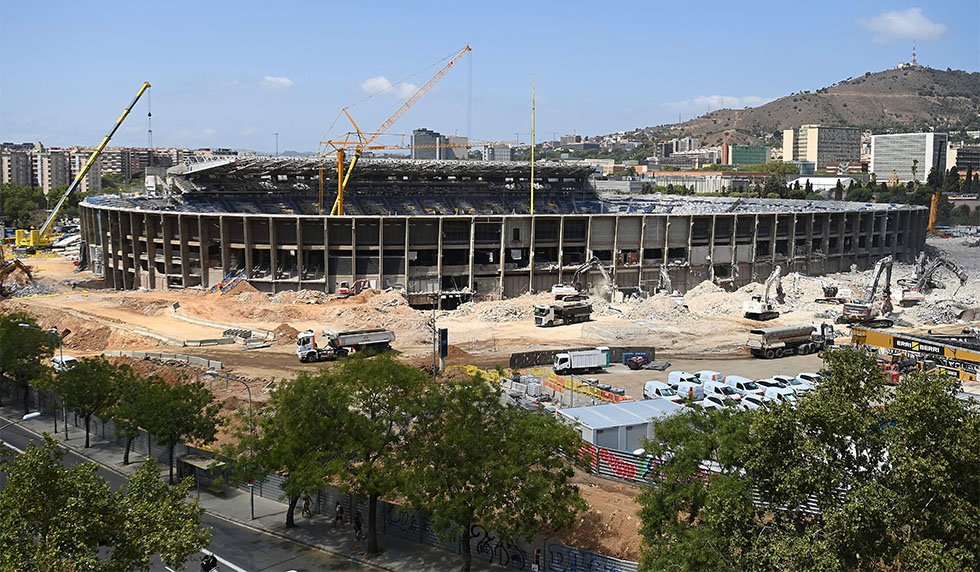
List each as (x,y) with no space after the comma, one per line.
(782,341)
(580,361)
(567,311)
(340,344)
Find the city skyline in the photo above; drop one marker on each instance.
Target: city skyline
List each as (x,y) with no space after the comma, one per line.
(225,77)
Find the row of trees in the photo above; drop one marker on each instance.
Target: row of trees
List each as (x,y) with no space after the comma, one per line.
(861,476)
(382,428)
(24,206)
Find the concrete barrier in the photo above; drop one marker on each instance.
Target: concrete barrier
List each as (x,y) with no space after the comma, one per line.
(193,360)
(256,334)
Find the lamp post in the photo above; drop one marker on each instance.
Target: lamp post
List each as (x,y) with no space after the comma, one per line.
(32,415)
(251,428)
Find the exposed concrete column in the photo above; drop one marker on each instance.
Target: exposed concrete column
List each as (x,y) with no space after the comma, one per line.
(273,254)
(106,243)
(225,238)
(327,286)
(185,250)
(641,251)
(353,249)
(204,242)
(247,237)
(150,228)
(711,247)
(561,247)
(791,262)
(503,246)
(615,254)
(407,236)
(381,252)
(588,253)
(754,277)
(168,248)
(439,263)
(300,255)
(124,225)
(469,282)
(530,257)
(733,265)
(135,233)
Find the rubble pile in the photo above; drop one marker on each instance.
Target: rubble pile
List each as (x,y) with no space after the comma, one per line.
(656,307)
(510,310)
(300,297)
(33,289)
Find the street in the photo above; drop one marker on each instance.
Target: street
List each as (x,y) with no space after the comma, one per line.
(238,548)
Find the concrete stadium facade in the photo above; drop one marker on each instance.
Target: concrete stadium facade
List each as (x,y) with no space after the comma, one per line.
(192,241)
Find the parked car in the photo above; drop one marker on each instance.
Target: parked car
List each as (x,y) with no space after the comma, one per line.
(744,385)
(793,383)
(809,377)
(722,390)
(768,382)
(753,401)
(708,375)
(717,402)
(63,363)
(675,378)
(781,395)
(690,390)
(659,389)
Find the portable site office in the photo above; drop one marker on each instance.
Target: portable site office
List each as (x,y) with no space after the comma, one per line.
(621,426)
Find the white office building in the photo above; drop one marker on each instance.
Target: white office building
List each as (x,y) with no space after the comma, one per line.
(902,153)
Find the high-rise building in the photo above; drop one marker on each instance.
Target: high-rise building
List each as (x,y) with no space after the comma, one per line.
(51,169)
(908,156)
(117,161)
(686,144)
(15,167)
(92,182)
(827,147)
(497,153)
(425,144)
(569,139)
(747,155)
(458,148)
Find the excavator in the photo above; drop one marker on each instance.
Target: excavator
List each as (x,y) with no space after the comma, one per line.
(8,267)
(575,288)
(916,287)
(868,309)
(761,307)
(32,239)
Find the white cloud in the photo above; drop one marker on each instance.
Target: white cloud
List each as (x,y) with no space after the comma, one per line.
(380,84)
(907,24)
(718,102)
(207,132)
(277,82)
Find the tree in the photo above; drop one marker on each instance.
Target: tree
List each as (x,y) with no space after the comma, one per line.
(173,413)
(128,408)
(859,195)
(88,389)
(936,177)
(474,461)
(384,396)
(859,477)
(952,182)
(55,517)
(969,185)
(22,205)
(297,435)
(24,348)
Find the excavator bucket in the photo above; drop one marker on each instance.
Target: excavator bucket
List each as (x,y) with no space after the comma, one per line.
(9,268)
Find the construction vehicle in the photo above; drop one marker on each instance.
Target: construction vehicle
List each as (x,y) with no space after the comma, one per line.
(40,238)
(580,361)
(955,354)
(7,269)
(340,344)
(916,287)
(782,341)
(575,288)
(570,310)
(346,289)
(868,309)
(761,307)
(834,294)
(361,141)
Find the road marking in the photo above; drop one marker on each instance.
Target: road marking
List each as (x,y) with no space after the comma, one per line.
(223,561)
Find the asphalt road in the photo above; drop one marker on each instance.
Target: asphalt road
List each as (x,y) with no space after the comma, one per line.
(238,548)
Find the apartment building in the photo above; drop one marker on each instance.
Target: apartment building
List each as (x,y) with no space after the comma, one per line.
(908,156)
(825,146)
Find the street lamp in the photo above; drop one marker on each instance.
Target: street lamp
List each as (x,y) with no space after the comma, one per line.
(251,426)
(31,415)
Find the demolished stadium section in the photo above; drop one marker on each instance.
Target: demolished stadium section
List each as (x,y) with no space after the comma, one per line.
(456,230)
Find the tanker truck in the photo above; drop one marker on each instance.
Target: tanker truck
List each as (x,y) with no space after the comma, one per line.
(340,344)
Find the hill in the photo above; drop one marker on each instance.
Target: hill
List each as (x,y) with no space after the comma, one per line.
(913,98)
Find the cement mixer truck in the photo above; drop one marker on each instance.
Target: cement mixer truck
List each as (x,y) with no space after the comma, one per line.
(340,344)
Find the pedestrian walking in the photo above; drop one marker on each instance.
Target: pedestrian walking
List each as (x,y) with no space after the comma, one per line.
(306,506)
(357,526)
(338,518)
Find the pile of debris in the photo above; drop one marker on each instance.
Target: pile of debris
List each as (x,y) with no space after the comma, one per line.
(510,310)
(17,290)
(300,297)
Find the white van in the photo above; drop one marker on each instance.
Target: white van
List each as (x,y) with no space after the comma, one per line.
(811,378)
(63,363)
(659,389)
(751,402)
(708,375)
(722,390)
(781,395)
(744,385)
(675,378)
(690,390)
(793,383)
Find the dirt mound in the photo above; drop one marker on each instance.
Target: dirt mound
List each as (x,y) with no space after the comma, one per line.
(610,525)
(285,334)
(242,287)
(656,307)
(511,310)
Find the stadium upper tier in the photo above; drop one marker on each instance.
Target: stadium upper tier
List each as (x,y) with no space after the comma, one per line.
(391,187)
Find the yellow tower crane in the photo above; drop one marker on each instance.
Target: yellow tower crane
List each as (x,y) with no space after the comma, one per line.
(360,141)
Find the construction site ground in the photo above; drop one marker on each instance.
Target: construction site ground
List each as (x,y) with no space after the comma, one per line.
(707,332)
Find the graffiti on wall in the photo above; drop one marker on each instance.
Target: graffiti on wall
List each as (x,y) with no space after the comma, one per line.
(562,558)
(495,549)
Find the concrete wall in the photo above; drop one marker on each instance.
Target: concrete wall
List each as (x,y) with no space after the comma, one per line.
(489,256)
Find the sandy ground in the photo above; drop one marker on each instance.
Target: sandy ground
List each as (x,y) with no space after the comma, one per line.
(706,332)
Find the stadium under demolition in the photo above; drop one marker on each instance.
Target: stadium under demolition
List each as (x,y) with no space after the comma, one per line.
(451,231)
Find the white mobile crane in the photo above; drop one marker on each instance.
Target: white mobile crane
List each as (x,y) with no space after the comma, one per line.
(760,306)
(916,287)
(575,288)
(866,310)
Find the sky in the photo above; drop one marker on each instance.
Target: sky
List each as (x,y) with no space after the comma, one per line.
(235,73)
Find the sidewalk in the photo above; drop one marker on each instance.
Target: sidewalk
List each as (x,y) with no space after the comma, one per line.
(270,516)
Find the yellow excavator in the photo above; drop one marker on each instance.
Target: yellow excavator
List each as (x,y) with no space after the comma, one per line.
(8,267)
(41,238)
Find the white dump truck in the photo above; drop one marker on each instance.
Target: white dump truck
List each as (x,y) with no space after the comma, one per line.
(788,340)
(571,310)
(339,344)
(580,361)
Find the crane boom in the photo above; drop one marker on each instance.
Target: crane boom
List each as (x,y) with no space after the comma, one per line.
(88,164)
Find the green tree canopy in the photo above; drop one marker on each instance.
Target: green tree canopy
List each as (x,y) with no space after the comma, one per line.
(128,409)
(24,348)
(90,388)
(55,518)
(473,460)
(182,411)
(21,205)
(859,477)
